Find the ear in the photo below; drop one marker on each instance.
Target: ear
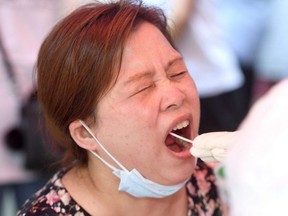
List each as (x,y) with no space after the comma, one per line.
(81,136)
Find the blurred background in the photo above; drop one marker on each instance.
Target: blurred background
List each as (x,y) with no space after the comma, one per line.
(23,26)
(235,50)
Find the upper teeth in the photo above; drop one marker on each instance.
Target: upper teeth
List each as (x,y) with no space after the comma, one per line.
(181,125)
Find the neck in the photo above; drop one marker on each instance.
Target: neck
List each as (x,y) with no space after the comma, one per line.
(175,204)
(99,195)
(169,206)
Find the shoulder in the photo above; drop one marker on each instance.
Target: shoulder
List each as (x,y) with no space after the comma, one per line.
(52,199)
(202,192)
(38,203)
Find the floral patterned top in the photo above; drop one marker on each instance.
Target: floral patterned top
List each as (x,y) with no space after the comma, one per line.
(54,200)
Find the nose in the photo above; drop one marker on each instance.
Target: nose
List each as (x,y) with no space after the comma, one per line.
(172,96)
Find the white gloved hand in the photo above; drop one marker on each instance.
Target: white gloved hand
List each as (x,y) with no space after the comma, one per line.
(213,146)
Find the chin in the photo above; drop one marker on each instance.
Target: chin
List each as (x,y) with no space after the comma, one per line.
(185,172)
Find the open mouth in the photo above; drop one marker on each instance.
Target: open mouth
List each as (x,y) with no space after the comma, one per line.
(176,144)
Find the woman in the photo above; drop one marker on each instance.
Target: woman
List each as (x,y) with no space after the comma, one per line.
(113,87)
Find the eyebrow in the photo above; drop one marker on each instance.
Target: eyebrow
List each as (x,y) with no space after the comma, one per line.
(173,61)
(149,74)
(138,76)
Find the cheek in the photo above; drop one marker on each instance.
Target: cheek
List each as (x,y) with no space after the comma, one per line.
(196,119)
(194,102)
(124,124)
(190,90)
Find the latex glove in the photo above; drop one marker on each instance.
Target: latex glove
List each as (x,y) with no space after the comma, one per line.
(213,146)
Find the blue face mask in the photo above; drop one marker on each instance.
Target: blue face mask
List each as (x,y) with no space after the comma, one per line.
(132,181)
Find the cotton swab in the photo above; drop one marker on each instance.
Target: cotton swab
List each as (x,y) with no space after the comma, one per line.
(180,137)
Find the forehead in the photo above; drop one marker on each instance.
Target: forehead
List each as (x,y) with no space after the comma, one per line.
(146,49)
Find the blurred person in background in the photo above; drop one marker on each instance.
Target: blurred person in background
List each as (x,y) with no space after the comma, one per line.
(244,23)
(257,32)
(271,64)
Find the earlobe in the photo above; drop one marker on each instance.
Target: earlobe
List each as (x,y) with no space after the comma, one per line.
(81,136)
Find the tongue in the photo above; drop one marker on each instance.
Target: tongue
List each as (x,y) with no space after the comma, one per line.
(175,148)
(171,144)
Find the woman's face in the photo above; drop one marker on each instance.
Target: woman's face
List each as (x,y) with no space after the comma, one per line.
(153,94)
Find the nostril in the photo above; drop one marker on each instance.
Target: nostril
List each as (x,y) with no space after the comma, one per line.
(172,97)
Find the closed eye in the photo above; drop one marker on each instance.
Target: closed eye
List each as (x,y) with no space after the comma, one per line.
(178,75)
(148,87)
(145,88)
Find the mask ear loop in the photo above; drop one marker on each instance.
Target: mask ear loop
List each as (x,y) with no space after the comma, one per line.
(104,149)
